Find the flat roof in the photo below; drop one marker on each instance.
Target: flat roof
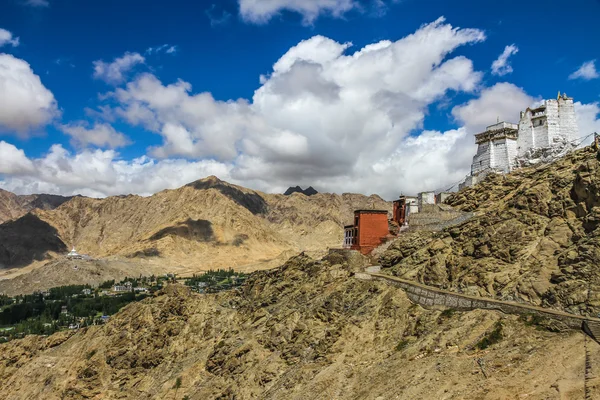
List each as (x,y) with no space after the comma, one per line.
(371,211)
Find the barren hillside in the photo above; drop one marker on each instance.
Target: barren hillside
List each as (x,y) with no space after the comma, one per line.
(307,330)
(535,238)
(206,224)
(13,206)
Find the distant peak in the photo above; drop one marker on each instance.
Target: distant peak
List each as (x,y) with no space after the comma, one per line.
(206,183)
(309,191)
(211,179)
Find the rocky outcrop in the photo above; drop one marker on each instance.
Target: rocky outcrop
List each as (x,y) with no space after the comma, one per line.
(534,238)
(306,330)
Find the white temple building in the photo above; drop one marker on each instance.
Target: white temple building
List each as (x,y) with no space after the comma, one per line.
(545,131)
(74,255)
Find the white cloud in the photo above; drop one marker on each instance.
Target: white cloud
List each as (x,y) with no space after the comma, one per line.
(13,160)
(588,120)
(261,11)
(501,66)
(37,3)
(25,104)
(587,71)
(7,38)
(502,101)
(338,120)
(100,135)
(114,72)
(321,115)
(324,116)
(167,48)
(99,173)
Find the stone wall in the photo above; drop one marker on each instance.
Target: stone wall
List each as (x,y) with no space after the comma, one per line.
(481,161)
(425,198)
(435,222)
(569,129)
(428,296)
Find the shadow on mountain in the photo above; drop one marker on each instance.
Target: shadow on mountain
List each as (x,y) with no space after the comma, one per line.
(198,230)
(27,239)
(49,201)
(150,252)
(250,201)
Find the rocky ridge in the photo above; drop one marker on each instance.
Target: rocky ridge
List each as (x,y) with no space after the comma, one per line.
(535,237)
(13,206)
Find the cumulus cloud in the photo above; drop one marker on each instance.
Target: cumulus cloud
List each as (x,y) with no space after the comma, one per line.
(25,104)
(588,120)
(501,66)
(587,71)
(98,173)
(322,113)
(260,11)
(99,135)
(503,101)
(7,38)
(325,116)
(13,161)
(114,72)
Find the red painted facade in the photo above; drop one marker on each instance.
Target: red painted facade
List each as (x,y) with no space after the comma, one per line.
(399,213)
(370,229)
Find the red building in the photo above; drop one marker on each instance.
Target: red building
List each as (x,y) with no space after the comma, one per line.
(370,230)
(402,208)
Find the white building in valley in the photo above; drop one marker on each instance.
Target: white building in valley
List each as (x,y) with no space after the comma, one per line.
(547,130)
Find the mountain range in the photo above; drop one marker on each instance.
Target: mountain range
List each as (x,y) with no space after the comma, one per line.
(309,329)
(204,225)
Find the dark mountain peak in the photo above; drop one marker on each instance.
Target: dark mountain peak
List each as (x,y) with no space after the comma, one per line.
(307,192)
(291,190)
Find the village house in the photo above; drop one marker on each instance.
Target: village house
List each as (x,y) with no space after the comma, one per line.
(74,255)
(426,211)
(369,230)
(123,288)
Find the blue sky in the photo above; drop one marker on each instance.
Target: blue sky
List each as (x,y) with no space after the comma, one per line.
(280,135)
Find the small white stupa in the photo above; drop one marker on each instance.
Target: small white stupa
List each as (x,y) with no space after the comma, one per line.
(73,254)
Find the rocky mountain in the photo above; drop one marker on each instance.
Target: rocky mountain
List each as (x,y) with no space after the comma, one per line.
(205,224)
(306,330)
(13,206)
(535,238)
(310,330)
(309,191)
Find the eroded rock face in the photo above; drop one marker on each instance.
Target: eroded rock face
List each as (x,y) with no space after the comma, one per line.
(535,238)
(306,330)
